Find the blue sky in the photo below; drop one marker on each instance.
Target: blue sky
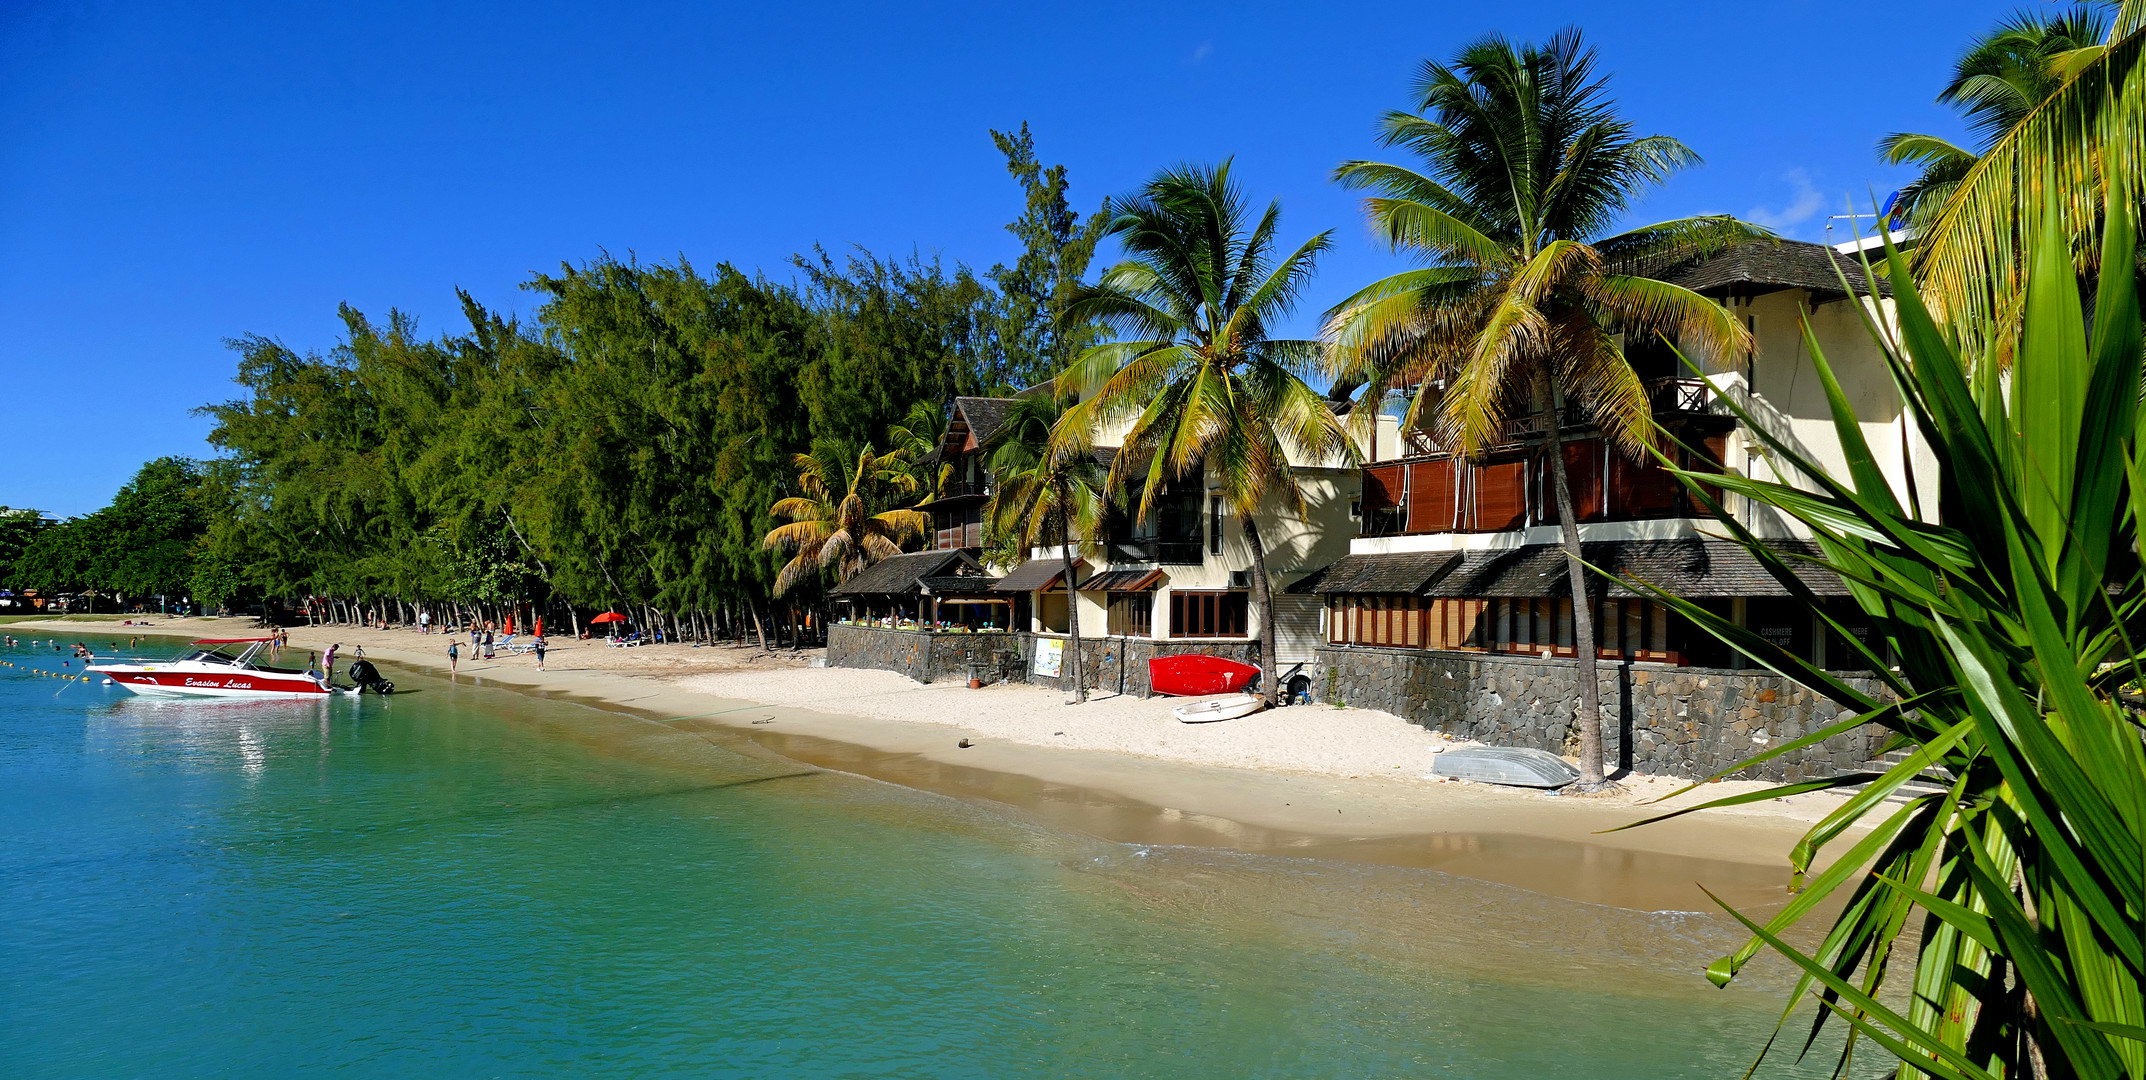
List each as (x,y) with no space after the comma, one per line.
(171,178)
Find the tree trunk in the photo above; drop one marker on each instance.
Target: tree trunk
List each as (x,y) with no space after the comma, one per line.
(1583,608)
(1080,682)
(1263,598)
(759,627)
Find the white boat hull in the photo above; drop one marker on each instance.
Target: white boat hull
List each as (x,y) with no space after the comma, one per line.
(1227,707)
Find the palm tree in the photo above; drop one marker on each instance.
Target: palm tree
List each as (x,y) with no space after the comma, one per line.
(1517,311)
(1996,83)
(1045,492)
(914,437)
(1967,258)
(838,528)
(1205,387)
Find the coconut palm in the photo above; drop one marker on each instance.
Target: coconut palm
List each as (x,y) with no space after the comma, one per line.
(914,437)
(1997,83)
(1518,309)
(1203,385)
(1046,493)
(1967,259)
(836,527)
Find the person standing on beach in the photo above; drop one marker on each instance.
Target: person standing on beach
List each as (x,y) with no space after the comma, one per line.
(539,650)
(454,653)
(488,644)
(424,622)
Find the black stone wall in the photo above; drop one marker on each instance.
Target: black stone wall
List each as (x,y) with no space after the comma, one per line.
(1677,721)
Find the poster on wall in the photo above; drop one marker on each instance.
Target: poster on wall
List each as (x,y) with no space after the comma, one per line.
(1049,655)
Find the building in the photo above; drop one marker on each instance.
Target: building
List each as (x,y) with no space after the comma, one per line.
(1454,597)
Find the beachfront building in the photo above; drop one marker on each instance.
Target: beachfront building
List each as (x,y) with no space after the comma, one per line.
(1179,581)
(1452,605)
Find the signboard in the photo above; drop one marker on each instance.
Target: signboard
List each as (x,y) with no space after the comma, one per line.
(1050,655)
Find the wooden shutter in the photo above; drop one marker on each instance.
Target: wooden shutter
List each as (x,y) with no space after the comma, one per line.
(1501,495)
(1430,496)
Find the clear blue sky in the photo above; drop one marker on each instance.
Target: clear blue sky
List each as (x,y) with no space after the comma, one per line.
(174,175)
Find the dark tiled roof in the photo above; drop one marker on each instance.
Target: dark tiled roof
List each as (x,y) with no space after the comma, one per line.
(1789,264)
(984,414)
(1693,568)
(903,574)
(1122,581)
(1408,573)
(1035,574)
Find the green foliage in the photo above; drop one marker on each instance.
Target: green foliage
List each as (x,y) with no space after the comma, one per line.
(629,443)
(1057,245)
(17,528)
(837,523)
(142,544)
(2004,626)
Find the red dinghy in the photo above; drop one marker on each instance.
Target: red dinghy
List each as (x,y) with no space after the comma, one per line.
(1198,675)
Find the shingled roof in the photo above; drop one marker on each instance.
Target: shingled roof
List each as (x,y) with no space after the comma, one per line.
(985,415)
(903,575)
(1764,266)
(1407,573)
(1693,568)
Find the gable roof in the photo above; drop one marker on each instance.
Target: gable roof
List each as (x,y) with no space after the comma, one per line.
(904,574)
(983,415)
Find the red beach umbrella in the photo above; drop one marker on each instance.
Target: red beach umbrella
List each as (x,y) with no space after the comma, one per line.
(609,616)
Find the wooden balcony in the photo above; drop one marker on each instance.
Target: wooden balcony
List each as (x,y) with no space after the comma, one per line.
(1438,493)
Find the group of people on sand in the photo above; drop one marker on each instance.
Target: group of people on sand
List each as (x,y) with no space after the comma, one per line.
(483,636)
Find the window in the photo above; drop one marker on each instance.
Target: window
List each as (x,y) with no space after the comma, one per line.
(1214,525)
(1207,614)
(1132,614)
(1625,629)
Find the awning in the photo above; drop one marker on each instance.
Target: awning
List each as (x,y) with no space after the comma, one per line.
(1036,574)
(1122,581)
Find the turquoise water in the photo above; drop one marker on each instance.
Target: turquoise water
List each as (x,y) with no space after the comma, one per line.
(462,881)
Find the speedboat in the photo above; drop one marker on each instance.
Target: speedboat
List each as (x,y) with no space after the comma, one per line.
(215,667)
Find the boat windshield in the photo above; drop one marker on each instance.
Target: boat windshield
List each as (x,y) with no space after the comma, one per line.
(234,653)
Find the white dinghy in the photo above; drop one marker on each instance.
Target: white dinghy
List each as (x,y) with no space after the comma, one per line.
(1510,765)
(1226,707)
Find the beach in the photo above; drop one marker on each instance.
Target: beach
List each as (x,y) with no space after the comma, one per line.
(1315,781)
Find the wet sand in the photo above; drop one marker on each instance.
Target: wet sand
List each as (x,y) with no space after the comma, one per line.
(1545,844)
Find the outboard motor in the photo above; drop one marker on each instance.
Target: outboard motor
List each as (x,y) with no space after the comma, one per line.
(368,677)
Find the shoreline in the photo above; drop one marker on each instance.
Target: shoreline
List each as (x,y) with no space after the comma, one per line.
(884,727)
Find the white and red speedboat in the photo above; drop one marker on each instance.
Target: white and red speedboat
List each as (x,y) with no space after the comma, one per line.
(215,667)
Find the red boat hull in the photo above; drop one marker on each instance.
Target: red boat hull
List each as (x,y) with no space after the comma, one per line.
(212,684)
(1199,675)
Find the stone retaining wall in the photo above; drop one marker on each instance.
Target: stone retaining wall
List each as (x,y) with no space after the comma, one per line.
(1120,665)
(997,657)
(1117,665)
(1679,721)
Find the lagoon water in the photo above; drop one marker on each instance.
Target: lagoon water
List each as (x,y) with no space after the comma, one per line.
(466,881)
